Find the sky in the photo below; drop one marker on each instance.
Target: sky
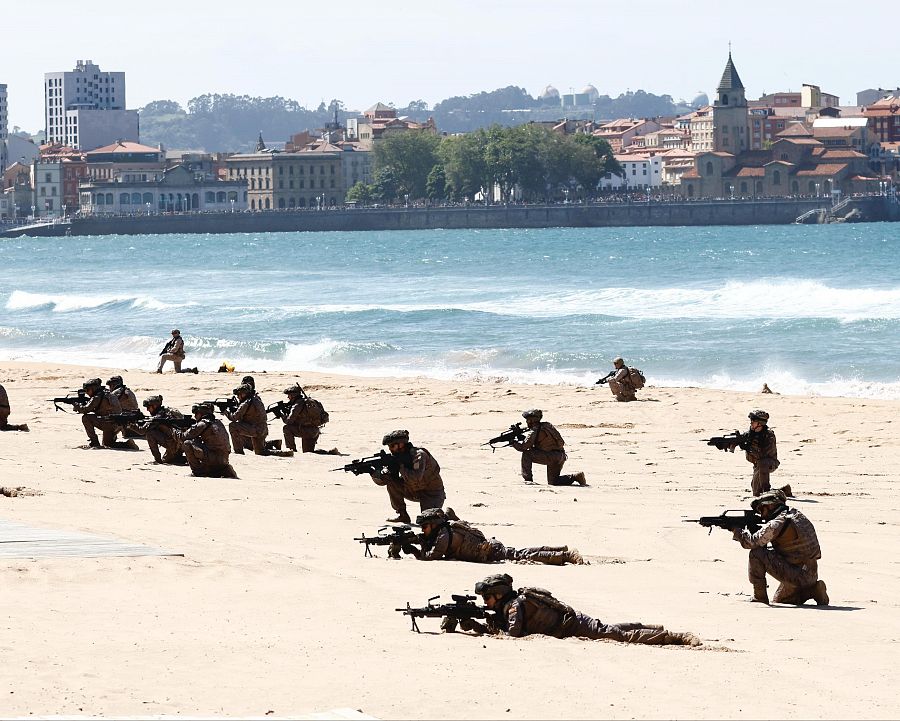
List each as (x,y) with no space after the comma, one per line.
(362,52)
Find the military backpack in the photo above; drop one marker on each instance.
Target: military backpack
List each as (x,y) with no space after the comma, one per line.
(637,378)
(317,411)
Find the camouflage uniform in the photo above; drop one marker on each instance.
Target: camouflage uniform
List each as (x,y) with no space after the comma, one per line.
(162,434)
(418,479)
(206,447)
(301,421)
(457,540)
(173,351)
(530,611)
(763,454)
(101,403)
(793,559)
(621,386)
(4,414)
(249,421)
(543,444)
(126,399)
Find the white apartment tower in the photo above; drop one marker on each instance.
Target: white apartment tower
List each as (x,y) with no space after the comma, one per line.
(4,127)
(85,108)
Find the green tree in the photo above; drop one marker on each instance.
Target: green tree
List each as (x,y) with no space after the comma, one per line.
(360,193)
(385,187)
(436,185)
(410,156)
(465,164)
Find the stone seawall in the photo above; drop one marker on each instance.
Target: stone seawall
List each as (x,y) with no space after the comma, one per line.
(738,212)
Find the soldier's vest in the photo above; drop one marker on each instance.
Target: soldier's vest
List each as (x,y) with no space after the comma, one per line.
(466,542)
(108,405)
(431,478)
(760,443)
(549,439)
(798,542)
(544,613)
(126,399)
(215,437)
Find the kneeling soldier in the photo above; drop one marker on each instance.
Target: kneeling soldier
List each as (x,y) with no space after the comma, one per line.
(416,477)
(248,421)
(99,403)
(206,444)
(543,444)
(159,433)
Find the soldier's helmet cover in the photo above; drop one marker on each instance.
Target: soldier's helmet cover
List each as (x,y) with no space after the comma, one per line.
(153,401)
(293,390)
(249,381)
(92,383)
(243,389)
(395,437)
(114,381)
(774,497)
(205,407)
(499,584)
(618,359)
(431,515)
(533,413)
(758,415)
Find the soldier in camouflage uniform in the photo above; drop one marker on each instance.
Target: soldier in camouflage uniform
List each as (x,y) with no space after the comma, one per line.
(620,384)
(5,425)
(762,453)
(793,558)
(443,538)
(248,420)
(418,478)
(206,444)
(99,403)
(301,421)
(159,433)
(529,611)
(543,444)
(123,394)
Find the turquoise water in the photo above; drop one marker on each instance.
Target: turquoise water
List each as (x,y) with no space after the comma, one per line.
(808,309)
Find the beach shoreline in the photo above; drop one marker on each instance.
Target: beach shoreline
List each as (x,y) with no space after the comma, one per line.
(274,608)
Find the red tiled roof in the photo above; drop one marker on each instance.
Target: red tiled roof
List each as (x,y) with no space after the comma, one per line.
(826,169)
(834,132)
(125,146)
(747,172)
(842,153)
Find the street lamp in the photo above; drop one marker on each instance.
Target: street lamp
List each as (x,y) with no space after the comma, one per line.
(232,205)
(148,208)
(65,208)
(817,190)
(566,193)
(33,209)
(406,199)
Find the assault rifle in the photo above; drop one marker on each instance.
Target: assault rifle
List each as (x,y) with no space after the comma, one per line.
(462,608)
(173,422)
(730,441)
(226,405)
(741,519)
(78,398)
(124,418)
(399,537)
(279,409)
(605,379)
(372,464)
(515,433)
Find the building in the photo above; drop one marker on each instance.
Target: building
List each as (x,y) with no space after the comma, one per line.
(47,186)
(279,181)
(873,95)
(380,121)
(853,133)
(700,124)
(172,190)
(74,171)
(4,127)
(884,118)
(730,113)
(675,163)
(811,96)
(124,158)
(621,133)
(642,172)
(85,108)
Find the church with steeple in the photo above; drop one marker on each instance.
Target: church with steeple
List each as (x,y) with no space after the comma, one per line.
(731,131)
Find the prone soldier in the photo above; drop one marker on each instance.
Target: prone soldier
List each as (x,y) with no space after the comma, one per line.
(206,444)
(415,477)
(5,425)
(544,444)
(529,611)
(443,538)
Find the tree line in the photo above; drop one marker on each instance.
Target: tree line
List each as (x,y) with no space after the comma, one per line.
(530,159)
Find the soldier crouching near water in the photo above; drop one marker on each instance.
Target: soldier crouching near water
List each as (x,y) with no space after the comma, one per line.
(794,557)
(417,478)
(4,414)
(159,433)
(206,444)
(99,403)
(528,611)
(543,444)
(443,538)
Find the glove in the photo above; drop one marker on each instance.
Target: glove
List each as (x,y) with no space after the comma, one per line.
(448,624)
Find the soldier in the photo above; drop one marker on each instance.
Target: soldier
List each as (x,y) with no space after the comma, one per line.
(248,420)
(620,382)
(418,476)
(302,420)
(206,444)
(443,538)
(174,351)
(248,380)
(793,559)
(762,452)
(100,403)
(529,611)
(4,414)
(124,394)
(162,434)
(543,444)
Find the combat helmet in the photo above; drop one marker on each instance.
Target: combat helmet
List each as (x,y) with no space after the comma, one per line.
(499,584)
(295,389)
(435,516)
(152,401)
(758,415)
(775,497)
(206,408)
(395,437)
(92,383)
(243,389)
(115,381)
(533,413)
(248,380)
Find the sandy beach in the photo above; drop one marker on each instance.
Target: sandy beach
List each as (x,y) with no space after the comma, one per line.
(274,608)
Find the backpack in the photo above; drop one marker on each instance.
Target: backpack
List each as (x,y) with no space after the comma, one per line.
(317,410)
(637,378)
(468,532)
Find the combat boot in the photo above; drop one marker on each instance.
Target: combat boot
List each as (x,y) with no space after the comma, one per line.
(574,557)
(787,491)
(820,594)
(94,443)
(580,479)
(760,594)
(682,639)
(451,514)
(22,427)
(402,517)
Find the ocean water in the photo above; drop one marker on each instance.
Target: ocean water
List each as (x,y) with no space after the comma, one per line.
(807,309)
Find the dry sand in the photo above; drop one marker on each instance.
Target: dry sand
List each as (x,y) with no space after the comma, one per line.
(274,608)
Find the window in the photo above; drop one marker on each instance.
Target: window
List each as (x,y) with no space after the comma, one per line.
(220,196)
(281,203)
(210,196)
(776,178)
(744,188)
(709,168)
(724,100)
(124,199)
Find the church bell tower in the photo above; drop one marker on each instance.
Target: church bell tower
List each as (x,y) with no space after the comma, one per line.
(730,115)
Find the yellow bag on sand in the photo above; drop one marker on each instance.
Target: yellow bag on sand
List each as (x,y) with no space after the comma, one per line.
(226,367)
